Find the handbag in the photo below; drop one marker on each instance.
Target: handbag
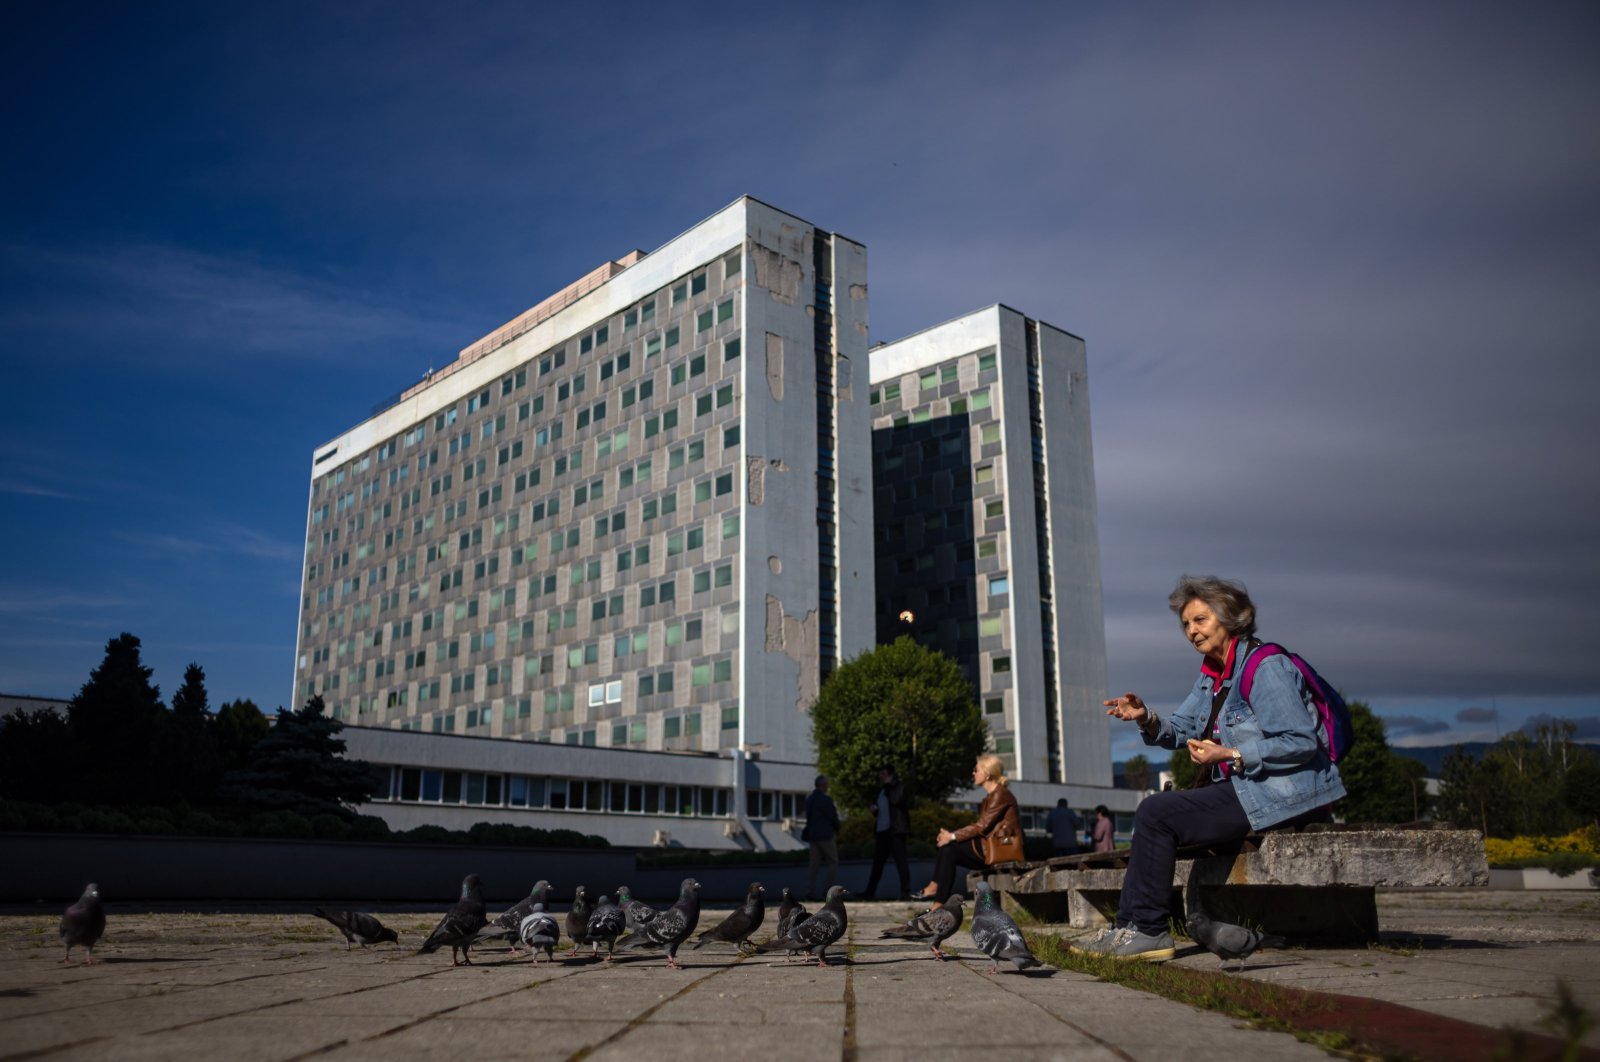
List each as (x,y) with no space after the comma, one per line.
(1001,845)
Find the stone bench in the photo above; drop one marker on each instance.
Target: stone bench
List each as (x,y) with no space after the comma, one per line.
(1314,885)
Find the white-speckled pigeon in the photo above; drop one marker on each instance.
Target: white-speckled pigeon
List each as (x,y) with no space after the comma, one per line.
(818,931)
(635,912)
(671,928)
(737,927)
(83,924)
(358,927)
(606,924)
(996,935)
(791,912)
(460,925)
(508,926)
(539,932)
(935,926)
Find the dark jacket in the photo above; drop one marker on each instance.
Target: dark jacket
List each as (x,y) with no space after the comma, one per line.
(822,817)
(899,809)
(997,814)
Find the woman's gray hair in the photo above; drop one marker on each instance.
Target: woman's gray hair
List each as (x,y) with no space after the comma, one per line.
(1229,602)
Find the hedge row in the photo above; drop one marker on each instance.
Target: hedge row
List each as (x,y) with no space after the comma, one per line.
(182,821)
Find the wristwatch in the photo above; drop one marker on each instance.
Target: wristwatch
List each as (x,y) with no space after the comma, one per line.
(1238,760)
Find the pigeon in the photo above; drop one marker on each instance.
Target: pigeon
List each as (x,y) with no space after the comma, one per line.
(539,932)
(606,923)
(357,927)
(818,931)
(83,924)
(996,935)
(459,926)
(791,912)
(509,924)
(578,919)
(671,928)
(637,912)
(1222,939)
(935,926)
(737,927)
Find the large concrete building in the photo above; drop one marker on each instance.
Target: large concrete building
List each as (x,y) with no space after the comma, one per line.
(637,519)
(987,546)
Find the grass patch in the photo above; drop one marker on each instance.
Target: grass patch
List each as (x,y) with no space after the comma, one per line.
(1339,1024)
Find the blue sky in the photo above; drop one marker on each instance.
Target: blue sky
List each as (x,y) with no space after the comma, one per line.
(1336,266)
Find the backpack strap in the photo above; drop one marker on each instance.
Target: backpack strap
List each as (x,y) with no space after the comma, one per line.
(1259,651)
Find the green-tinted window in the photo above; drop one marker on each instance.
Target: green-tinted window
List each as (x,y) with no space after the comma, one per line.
(703,320)
(980,399)
(985,362)
(725,310)
(722,671)
(730,718)
(947,374)
(730,349)
(700,675)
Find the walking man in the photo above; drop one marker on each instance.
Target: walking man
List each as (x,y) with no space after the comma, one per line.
(822,829)
(893,823)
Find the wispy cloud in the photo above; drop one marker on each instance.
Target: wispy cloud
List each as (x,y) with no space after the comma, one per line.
(199,308)
(217,538)
(35,601)
(1400,725)
(32,490)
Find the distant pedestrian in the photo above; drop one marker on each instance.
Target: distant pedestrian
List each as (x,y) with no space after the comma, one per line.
(892,822)
(1065,830)
(1105,830)
(821,832)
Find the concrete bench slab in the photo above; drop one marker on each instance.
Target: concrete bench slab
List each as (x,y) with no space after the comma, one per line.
(1315,885)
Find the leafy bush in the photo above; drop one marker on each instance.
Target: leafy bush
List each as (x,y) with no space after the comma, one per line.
(18,816)
(1564,855)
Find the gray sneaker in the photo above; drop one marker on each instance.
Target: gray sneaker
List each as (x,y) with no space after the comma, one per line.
(1099,944)
(1127,942)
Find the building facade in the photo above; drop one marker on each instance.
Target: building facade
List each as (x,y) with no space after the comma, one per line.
(593,572)
(986,537)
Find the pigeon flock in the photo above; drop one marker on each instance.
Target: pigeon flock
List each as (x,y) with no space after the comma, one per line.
(628,924)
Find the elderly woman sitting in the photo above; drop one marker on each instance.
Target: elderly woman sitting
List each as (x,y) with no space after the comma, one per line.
(1262,758)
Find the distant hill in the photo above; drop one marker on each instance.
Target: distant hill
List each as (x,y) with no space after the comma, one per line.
(1430,756)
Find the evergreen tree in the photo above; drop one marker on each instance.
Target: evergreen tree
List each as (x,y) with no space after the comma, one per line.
(1379,785)
(1580,788)
(237,727)
(113,722)
(299,766)
(900,705)
(1136,772)
(185,755)
(35,761)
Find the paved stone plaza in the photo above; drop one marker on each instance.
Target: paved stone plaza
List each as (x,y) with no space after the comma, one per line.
(276,985)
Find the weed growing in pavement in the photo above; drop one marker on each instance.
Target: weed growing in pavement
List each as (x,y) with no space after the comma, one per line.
(1569,1020)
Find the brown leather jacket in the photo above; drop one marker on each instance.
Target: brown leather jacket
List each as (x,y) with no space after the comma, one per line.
(998,812)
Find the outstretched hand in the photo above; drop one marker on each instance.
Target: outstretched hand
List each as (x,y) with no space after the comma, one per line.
(1128,707)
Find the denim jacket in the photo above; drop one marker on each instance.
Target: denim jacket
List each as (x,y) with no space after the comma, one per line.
(1286,768)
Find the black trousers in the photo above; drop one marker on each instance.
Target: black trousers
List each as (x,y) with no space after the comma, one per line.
(1164,823)
(885,843)
(946,860)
